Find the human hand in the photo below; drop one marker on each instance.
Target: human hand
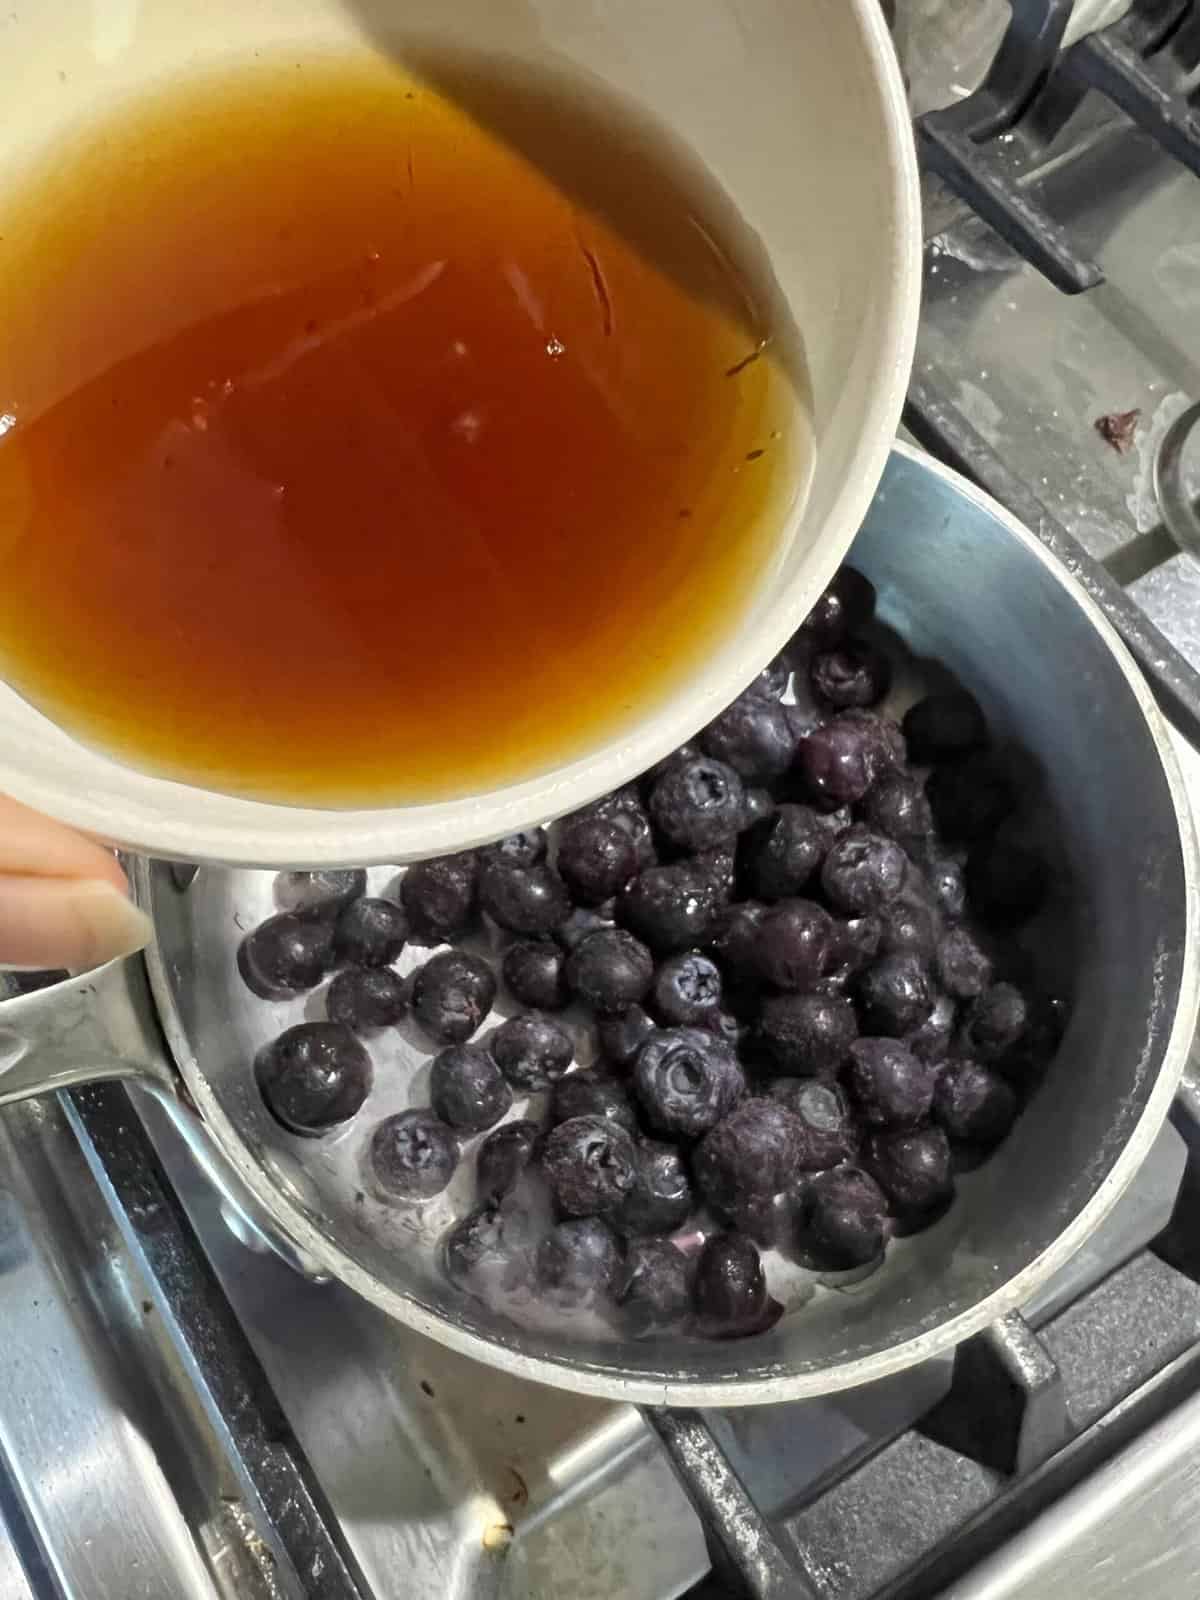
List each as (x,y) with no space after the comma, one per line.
(64,901)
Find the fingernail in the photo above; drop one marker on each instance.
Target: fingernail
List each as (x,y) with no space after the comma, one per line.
(76,923)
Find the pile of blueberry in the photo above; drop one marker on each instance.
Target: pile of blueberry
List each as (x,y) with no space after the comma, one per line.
(794,940)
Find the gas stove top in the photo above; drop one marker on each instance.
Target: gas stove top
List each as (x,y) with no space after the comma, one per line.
(183,1418)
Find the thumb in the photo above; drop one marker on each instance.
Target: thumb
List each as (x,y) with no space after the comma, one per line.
(76,923)
(63,898)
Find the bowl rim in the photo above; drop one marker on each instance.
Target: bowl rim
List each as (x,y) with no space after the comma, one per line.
(781,1385)
(179,821)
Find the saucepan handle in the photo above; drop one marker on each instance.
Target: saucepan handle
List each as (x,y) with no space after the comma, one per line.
(94,1028)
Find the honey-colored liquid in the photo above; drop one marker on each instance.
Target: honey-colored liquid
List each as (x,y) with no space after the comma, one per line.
(348,458)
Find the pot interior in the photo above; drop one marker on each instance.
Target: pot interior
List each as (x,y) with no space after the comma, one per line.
(962,586)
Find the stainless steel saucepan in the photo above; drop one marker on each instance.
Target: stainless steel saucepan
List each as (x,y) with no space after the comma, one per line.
(964,584)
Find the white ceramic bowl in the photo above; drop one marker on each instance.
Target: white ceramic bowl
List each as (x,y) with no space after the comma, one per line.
(798,113)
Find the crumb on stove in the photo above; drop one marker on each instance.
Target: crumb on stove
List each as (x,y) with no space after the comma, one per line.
(1117,428)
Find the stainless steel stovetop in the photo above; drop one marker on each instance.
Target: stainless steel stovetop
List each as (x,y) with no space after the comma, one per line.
(181,1418)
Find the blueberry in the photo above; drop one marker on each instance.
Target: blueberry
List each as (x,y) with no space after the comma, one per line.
(851,674)
(1006,883)
(697,804)
(1023,1062)
(909,924)
(590,1092)
(805,714)
(687,1080)
(524,849)
(688,751)
(766,1218)
(621,1037)
(830,1133)
(653,1286)
(584,920)
(577,1263)
(370,932)
(320,894)
(847,604)
(590,1164)
(884,740)
(863,871)
(756,1150)
(532,1051)
(624,807)
(911,1167)
(503,1156)
(795,942)
(963,965)
(856,943)
(996,1021)
(729,1290)
(365,998)
(807,1034)
(685,989)
(754,736)
(610,971)
(895,994)
(723,1025)
(931,1040)
(661,1199)
(772,681)
(487,1248)
(897,806)
(439,896)
(969,798)
(891,1086)
(943,726)
(719,865)
(451,995)
(671,908)
(535,972)
(845,1219)
(527,900)
(467,1088)
(285,956)
(838,762)
(734,938)
(413,1155)
(758,806)
(973,1104)
(313,1076)
(596,858)
(778,857)
(947,886)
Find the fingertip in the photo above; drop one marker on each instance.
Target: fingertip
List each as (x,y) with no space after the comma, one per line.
(114,926)
(63,922)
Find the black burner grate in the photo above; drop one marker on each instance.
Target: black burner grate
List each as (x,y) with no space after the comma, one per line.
(1141,64)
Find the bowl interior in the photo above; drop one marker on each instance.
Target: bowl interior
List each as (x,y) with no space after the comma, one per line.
(758,101)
